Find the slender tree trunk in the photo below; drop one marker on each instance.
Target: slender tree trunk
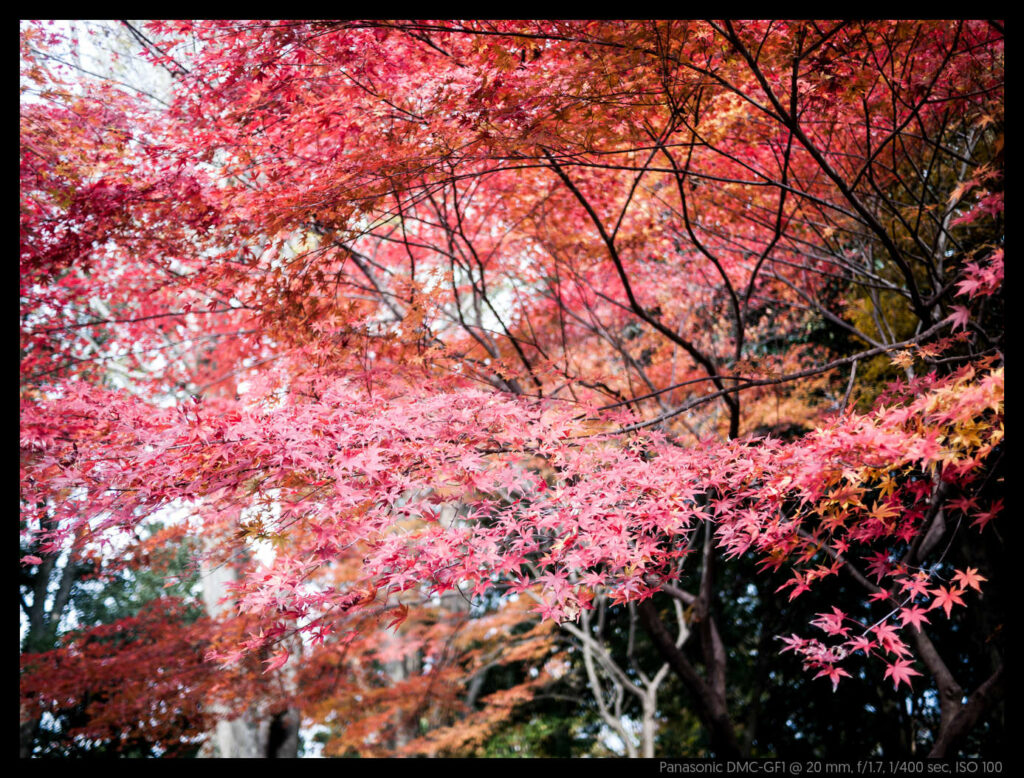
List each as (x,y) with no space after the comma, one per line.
(649,726)
(251,735)
(237,738)
(710,706)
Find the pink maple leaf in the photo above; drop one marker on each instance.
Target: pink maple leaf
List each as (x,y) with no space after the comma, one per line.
(918,585)
(960,317)
(946,598)
(913,615)
(970,578)
(984,517)
(859,643)
(276,662)
(900,671)
(832,623)
(833,673)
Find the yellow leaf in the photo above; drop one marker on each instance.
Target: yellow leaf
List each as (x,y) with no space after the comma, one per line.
(902,359)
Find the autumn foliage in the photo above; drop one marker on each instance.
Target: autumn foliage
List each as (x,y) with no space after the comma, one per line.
(438,333)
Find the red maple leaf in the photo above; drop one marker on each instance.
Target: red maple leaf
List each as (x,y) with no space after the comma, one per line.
(879,565)
(946,598)
(833,673)
(900,672)
(970,578)
(859,643)
(982,518)
(917,585)
(960,316)
(832,623)
(888,639)
(913,615)
(276,662)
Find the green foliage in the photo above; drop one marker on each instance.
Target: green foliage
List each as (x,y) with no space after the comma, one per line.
(547,733)
(123,595)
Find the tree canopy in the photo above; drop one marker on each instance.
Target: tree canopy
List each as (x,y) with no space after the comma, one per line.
(550,387)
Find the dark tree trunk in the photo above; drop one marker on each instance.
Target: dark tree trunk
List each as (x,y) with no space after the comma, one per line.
(710,706)
(283,738)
